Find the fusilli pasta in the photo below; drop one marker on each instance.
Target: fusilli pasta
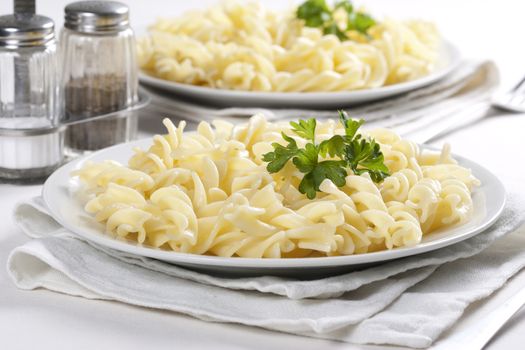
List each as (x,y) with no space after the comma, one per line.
(241,45)
(209,192)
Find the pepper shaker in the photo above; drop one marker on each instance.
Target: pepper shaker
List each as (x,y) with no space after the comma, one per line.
(31,138)
(99,75)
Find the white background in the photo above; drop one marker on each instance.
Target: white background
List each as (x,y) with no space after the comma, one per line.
(45,320)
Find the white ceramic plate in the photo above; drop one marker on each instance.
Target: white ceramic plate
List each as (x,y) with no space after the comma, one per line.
(66,207)
(449,59)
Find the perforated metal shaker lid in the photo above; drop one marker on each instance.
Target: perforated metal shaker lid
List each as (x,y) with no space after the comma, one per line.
(26,29)
(102,17)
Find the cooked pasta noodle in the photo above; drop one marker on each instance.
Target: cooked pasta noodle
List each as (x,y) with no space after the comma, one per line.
(241,45)
(209,192)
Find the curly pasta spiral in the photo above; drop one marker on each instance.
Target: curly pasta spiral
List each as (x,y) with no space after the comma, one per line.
(209,192)
(243,46)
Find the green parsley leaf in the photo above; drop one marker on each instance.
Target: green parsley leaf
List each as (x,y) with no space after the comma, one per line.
(334,146)
(334,170)
(360,21)
(361,155)
(344,4)
(307,186)
(317,14)
(314,13)
(365,156)
(281,154)
(329,169)
(305,128)
(306,159)
(350,125)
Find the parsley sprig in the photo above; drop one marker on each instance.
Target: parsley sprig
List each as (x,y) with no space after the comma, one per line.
(317,13)
(351,150)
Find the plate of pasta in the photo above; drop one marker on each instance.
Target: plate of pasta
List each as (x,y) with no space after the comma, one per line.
(274,198)
(239,53)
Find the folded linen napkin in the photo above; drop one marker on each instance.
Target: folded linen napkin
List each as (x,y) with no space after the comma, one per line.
(407,302)
(469,82)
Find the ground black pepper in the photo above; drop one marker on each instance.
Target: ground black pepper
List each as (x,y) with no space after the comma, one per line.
(93,96)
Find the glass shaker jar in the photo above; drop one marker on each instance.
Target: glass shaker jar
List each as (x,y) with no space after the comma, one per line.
(30,136)
(99,75)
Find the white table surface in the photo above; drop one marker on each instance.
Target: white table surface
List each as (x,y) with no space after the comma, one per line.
(45,320)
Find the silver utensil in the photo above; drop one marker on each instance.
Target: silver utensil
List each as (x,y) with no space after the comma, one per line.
(513,100)
(476,337)
(444,121)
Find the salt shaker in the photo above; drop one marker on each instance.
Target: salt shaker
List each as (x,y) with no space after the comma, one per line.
(99,75)
(31,138)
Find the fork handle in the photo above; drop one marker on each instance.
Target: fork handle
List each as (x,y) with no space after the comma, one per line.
(476,337)
(468,115)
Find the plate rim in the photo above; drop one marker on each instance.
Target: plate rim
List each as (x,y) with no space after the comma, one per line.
(259,263)
(190,90)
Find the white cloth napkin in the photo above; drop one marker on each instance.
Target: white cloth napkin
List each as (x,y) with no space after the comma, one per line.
(407,302)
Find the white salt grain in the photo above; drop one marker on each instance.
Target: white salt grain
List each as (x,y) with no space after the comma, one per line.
(29,152)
